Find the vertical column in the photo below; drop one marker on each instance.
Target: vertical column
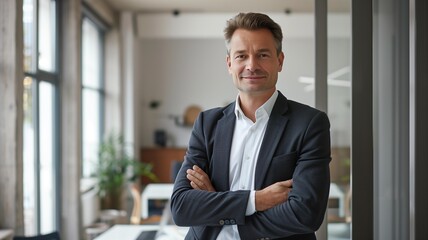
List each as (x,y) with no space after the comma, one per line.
(11,115)
(321,71)
(113,89)
(70,119)
(418,118)
(391,119)
(321,57)
(128,87)
(362,120)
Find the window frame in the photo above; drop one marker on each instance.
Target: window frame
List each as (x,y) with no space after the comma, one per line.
(89,15)
(38,76)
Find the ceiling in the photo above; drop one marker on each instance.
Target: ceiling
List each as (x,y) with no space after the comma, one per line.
(162,6)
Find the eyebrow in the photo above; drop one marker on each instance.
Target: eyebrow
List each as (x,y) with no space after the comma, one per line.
(263,50)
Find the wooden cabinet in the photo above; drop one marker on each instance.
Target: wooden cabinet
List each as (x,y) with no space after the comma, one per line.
(162,160)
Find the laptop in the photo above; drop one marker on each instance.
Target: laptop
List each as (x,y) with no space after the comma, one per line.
(167,228)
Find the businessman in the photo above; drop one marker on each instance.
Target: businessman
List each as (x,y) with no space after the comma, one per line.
(259,167)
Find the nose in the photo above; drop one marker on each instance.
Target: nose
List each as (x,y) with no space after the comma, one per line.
(252,64)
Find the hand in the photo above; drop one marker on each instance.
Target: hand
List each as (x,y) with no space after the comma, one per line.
(273,195)
(199,179)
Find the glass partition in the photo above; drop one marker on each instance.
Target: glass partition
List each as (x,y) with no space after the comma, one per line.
(339,111)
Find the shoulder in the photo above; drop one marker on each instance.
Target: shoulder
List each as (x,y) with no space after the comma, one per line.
(310,115)
(302,108)
(299,113)
(209,120)
(217,113)
(290,107)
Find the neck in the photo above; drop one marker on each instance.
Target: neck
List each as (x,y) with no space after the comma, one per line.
(250,103)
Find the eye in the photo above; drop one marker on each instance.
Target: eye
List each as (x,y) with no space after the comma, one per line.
(264,55)
(240,56)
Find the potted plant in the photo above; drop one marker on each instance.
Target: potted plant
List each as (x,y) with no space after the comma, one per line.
(115,168)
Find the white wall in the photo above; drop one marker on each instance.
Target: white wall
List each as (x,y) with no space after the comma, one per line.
(179,68)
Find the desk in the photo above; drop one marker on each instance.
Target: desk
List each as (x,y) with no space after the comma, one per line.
(125,232)
(131,232)
(6,234)
(154,191)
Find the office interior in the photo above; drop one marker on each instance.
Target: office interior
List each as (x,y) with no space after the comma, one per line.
(92,68)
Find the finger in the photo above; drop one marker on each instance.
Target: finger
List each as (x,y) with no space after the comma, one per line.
(192,178)
(197,181)
(287,183)
(195,174)
(195,171)
(190,175)
(199,170)
(194,185)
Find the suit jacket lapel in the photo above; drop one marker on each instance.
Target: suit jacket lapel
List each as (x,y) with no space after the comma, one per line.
(274,130)
(222,147)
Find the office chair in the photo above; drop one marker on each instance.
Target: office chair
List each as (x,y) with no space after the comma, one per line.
(49,236)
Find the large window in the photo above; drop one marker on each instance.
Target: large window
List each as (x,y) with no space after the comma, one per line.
(92,92)
(40,150)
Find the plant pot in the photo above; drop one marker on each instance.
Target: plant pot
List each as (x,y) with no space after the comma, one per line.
(113,200)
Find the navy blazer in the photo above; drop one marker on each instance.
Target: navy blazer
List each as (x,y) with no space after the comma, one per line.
(296,145)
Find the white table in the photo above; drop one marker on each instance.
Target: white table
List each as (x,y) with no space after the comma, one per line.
(6,234)
(131,232)
(125,232)
(154,191)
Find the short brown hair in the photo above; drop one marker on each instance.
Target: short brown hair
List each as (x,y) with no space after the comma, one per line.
(253,21)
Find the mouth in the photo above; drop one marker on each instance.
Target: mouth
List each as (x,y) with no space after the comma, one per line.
(253,77)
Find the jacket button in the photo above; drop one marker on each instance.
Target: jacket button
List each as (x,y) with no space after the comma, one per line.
(221,222)
(227,222)
(232,222)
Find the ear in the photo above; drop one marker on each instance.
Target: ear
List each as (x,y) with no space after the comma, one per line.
(281,61)
(229,63)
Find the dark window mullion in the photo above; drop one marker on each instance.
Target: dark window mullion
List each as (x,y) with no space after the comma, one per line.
(36,116)
(47,76)
(43,76)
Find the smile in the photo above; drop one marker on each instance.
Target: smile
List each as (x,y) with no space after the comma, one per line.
(253,77)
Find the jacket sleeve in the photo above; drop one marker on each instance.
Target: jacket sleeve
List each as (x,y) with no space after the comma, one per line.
(192,207)
(304,210)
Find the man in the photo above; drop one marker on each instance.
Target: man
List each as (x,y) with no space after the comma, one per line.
(259,167)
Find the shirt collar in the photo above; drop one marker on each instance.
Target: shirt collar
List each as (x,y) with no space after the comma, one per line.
(266,107)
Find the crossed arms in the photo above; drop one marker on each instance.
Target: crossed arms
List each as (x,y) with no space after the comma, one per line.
(266,198)
(283,208)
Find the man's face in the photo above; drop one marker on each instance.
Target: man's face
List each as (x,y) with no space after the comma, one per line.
(253,61)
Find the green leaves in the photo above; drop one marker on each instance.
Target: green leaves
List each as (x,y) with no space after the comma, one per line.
(115,166)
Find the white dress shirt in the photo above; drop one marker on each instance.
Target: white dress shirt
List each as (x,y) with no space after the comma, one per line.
(246,143)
